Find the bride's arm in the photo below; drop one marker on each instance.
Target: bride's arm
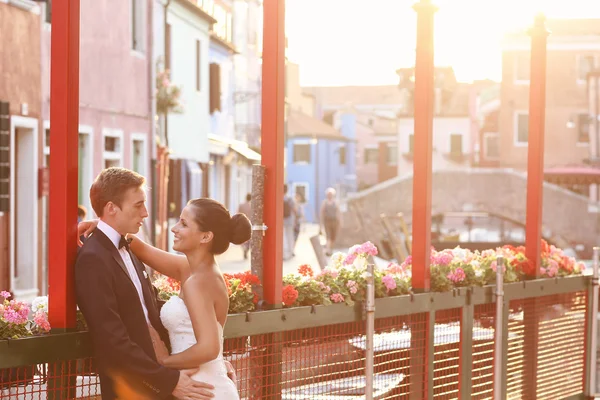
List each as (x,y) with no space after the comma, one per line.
(198,297)
(168,264)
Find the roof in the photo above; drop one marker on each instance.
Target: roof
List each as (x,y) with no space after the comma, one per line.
(303,125)
(192,7)
(236,145)
(380,125)
(355,95)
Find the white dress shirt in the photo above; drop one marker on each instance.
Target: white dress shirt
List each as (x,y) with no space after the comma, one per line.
(115,238)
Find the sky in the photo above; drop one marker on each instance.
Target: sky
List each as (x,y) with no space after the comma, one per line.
(363,42)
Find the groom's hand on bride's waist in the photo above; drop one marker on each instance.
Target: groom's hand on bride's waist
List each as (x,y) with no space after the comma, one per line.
(231,372)
(189,389)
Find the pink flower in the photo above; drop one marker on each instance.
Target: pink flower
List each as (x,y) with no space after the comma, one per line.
(407,262)
(389,282)
(337,298)
(442,258)
(324,287)
(5,294)
(41,320)
(457,276)
(352,286)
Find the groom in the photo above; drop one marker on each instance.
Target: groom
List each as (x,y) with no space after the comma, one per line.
(118,302)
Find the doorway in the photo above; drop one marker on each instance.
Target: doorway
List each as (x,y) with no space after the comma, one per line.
(24,207)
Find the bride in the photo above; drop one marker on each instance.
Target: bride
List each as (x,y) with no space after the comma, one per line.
(195,319)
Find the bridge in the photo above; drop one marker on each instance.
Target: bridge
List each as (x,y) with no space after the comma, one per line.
(569,219)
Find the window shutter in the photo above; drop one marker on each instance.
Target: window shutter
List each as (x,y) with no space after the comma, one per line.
(215,87)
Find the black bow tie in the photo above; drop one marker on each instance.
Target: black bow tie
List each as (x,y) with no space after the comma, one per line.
(124,243)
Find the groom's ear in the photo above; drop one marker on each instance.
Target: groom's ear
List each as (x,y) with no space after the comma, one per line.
(110,208)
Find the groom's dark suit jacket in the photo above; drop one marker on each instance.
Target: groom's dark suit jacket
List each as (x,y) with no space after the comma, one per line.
(115,318)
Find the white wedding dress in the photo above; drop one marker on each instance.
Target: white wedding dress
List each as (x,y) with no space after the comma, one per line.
(175,317)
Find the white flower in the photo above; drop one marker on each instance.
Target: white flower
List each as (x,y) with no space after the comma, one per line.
(366,275)
(39,303)
(337,260)
(459,253)
(360,263)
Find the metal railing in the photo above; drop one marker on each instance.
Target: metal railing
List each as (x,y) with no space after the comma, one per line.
(452,345)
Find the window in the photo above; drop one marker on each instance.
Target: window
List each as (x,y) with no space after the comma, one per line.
(522,67)
(522,128)
(491,146)
(168,47)
(343,155)
(583,128)
(48,11)
(301,190)
(411,143)
(138,153)
(371,155)
(456,143)
(585,65)
(113,149)
(198,65)
(137,25)
(301,153)
(215,88)
(392,154)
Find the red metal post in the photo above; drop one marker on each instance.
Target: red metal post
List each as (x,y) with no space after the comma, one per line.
(272,145)
(64,126)
(535,151)
(423,110)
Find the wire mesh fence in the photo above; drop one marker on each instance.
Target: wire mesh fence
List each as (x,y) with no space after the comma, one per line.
(445,353)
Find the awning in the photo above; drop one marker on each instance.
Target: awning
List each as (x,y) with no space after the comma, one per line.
(222,145)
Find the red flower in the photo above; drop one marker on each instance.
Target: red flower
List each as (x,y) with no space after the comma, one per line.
(527,267)
(290,295)
(255,299)
(305,270)
(545,248)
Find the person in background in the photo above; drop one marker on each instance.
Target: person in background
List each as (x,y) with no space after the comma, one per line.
(246,209)
(330,219)
(81,213)
(289,217)
(81,216)
(299,216)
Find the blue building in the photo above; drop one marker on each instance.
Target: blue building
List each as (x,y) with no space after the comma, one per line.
(318,156)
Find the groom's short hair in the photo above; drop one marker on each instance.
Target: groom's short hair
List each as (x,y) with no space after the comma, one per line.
(111,185)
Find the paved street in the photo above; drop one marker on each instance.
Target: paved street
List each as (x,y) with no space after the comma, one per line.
(233,261)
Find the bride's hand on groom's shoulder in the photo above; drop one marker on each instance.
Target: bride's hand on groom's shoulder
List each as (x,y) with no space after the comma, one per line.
(84,228)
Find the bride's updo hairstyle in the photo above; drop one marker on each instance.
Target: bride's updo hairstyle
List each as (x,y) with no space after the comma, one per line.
(212,216)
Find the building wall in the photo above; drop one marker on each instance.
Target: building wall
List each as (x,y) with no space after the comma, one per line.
(295,96)
(566,96)
(322,172)
(366,172)
(247,17)
(115,81)
(20,78)
(443,127)
(188,131)
(385,169)
(20,85)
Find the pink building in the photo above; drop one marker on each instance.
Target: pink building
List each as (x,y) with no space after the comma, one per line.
(116,104)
